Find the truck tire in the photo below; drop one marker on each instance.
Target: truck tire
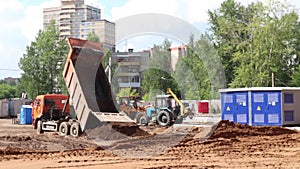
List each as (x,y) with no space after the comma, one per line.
(143,121)
(75,130)
(39,128)
(164,118)
(64,129)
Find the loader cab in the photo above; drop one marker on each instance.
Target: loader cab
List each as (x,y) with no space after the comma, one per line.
(128,101)
(163,101)
(167,102)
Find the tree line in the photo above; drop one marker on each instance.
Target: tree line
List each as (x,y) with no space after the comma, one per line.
(244,46)
(256,44)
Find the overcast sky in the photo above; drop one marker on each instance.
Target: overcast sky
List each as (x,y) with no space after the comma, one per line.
(22,19)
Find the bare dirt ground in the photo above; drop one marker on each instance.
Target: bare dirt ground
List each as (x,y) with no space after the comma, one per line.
(230,146)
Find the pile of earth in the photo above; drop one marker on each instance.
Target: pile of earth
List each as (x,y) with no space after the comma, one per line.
(116,131)
(13,151)
(228,129)
(45,142)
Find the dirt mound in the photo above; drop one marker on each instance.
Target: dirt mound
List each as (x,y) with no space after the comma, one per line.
(129,129)
(228,129)
(15,138)
(13,151)
(116,131)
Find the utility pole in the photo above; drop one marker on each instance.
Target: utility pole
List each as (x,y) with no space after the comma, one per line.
(109,69)
(273,80)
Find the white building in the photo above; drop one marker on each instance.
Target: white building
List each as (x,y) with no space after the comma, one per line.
(74,19)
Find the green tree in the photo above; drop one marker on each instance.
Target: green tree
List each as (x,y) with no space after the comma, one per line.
(295,81)
(43,63)
(7,91)
(199,74)
(184,75)
(127,92)
(158,76)
(227,25)
(273,47)
(256,41)
(2,81)
(92,36)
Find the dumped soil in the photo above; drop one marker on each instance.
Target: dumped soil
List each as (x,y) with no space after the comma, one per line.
(228,129)
(129,129)
(49,141)
(13,151)
(116,131)
(230,146)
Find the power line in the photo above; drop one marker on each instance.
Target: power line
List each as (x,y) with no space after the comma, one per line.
(11,70)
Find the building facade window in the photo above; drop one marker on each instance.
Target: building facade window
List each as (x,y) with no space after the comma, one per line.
(288,98)
(289,115)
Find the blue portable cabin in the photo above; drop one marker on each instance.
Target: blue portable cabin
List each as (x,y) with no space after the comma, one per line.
(26,114)
(261,106)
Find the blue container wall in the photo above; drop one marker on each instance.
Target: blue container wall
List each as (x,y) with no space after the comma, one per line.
(266,108)
(235,107)
(26,115)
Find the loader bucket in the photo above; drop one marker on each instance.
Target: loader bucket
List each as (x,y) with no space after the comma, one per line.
(88,87)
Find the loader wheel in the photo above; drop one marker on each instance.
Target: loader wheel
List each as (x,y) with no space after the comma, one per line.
(39,128)
(144,121)
(64,129)
(164,118)
(138,117)
(75,130)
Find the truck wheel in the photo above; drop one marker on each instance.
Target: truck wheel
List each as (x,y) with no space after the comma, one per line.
(64,129)
(75,130)
(39,128)
(164,118)
(144,121)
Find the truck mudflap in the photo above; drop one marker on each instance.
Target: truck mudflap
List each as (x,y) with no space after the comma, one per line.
(88,87)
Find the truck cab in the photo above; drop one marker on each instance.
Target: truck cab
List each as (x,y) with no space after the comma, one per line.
(50,107)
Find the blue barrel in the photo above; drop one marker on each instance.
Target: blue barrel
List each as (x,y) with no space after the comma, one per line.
(25,114)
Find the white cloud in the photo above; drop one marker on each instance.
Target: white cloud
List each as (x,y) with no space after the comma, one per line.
(189,10)
(21,23)
(33,18)
(11,15)
(132,7)
(192,11)
(20,26)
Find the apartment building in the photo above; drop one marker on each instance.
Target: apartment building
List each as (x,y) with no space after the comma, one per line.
(103,28)
(130,68)
(176,53)
(74,19)
(11,80)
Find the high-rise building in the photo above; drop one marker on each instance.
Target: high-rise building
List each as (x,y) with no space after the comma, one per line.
(103,28)
(131,66)
(74,19)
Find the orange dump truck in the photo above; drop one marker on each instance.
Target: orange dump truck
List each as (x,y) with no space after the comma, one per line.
(49,109)
(89,92)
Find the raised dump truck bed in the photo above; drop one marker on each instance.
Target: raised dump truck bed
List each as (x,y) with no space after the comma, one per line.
(88,87)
